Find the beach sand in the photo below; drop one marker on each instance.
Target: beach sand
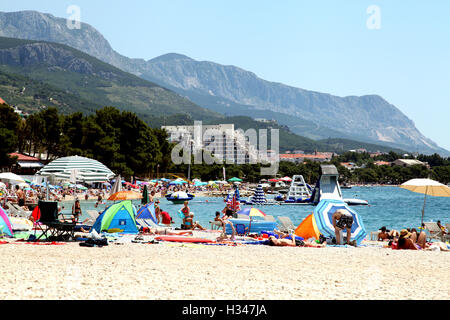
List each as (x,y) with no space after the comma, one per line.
(171,271)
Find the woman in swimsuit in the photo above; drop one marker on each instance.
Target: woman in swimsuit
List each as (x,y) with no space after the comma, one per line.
(76,211)
(187,221)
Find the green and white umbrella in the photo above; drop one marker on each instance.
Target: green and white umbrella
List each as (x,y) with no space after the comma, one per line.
(86,170)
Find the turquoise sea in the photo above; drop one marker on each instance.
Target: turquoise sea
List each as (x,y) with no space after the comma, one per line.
(392,207)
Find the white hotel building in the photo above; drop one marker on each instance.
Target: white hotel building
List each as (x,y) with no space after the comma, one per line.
(222,141)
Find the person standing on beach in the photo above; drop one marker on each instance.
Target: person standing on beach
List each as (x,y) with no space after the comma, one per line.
(76,211)
(21,196)
(151,197)
(342,219)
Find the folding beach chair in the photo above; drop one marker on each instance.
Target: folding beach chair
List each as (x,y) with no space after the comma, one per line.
(270,218)
(50,225)
(215,225)
(240,229)
(434,231)
(93,215)
(286,225)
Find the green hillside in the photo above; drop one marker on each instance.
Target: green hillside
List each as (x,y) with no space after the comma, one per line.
(79,74)
(30,95)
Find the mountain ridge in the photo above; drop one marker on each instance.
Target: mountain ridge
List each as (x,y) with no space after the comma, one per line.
(222,87)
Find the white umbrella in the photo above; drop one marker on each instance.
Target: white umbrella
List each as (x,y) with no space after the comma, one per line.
(13,178)
(427,187)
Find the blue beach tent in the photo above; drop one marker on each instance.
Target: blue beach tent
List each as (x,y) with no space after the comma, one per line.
(147,212)
(121,216)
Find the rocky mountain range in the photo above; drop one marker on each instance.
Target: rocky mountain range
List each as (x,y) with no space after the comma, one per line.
(78,74)
(234,91)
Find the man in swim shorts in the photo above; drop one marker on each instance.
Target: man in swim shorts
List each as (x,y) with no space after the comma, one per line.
(342,219)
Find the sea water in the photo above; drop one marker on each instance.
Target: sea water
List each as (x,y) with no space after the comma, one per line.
(392,207)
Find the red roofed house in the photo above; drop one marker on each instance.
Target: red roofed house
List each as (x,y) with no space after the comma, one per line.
(300,157)
(26,165)
(382,163)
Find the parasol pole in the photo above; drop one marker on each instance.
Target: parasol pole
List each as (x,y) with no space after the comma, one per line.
(424,202)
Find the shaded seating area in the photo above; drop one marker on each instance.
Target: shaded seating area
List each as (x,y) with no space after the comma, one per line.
(49,224)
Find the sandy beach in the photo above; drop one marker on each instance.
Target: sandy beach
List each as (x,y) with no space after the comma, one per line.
(171,271)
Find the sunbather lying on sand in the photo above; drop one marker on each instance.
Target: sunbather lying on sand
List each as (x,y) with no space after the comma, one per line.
(411,241)
(273,241)
(165,231)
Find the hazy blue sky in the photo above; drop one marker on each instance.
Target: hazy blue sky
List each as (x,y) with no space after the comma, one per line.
(317,45)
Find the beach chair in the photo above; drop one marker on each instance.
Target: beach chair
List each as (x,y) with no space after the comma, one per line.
(50,225)
(286,225)
(215,225)
(240,229)
(434,231)
(270,218)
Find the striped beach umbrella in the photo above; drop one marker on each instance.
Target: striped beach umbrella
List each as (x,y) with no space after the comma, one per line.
(323,214)
(87,170)
(252,212)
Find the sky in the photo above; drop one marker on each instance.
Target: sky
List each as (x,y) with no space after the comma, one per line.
(399,49)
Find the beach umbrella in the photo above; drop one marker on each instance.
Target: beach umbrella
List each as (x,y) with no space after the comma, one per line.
(27,180)
(145,198)
(234,179)
(252,212)
(286,179)
(427,187)
(323,217)
(11,177)
(125,195)
(274,180)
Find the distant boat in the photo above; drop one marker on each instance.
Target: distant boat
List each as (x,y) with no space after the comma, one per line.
(356,202)
(179,197)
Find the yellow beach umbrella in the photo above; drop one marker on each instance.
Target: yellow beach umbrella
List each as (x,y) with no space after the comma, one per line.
(427,187)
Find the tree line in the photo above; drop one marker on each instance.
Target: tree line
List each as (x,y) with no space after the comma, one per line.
(118,139)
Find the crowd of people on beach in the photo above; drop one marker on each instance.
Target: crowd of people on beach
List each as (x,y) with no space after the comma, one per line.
(342,220)
(410,239)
